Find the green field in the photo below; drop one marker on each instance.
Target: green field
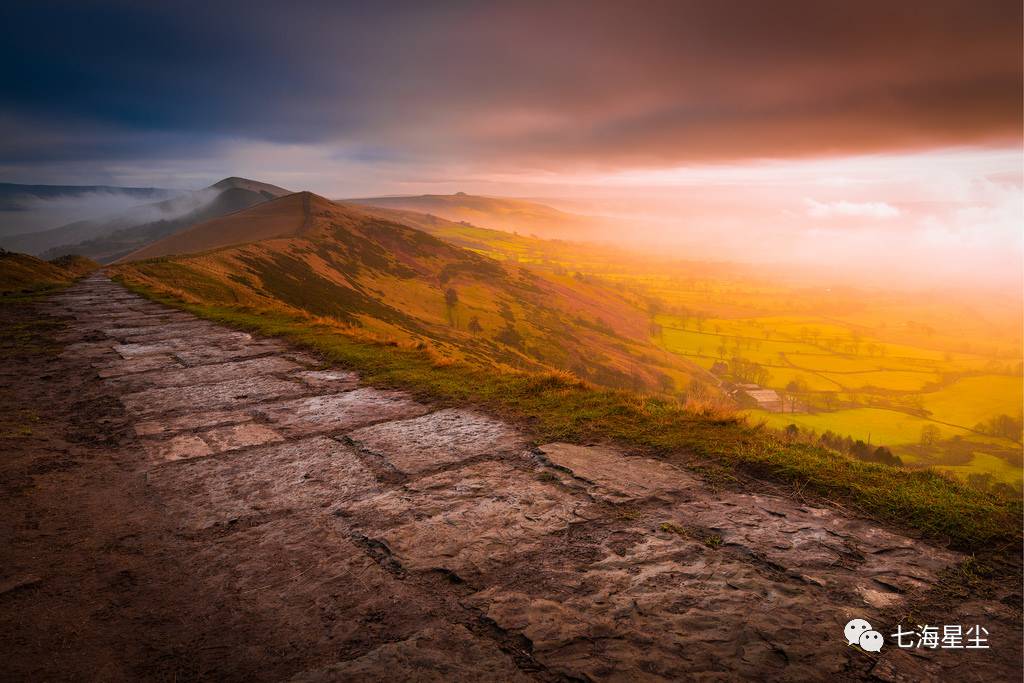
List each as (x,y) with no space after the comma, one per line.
(974,399)
(871,425)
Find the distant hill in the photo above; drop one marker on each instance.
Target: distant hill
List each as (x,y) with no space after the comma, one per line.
(379,278)
(509,215)
(285,216)
(22,273)
(112,237)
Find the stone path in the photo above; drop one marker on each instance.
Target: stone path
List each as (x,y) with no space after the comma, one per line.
(401,542)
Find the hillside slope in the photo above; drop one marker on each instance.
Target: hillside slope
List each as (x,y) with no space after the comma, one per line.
(22,273)
(387,281)
(285,217)
(110,238)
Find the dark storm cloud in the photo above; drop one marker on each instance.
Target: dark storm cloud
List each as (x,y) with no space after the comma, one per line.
(538,84)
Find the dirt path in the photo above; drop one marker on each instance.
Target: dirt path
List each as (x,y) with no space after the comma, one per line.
(183,501)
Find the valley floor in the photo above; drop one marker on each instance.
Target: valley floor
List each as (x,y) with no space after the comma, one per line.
(183,501)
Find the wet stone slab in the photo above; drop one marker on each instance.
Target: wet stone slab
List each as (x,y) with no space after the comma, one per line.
(169,331)
(669,608)
(339,412)
(203,355)
(437,654)
(437,439)
(121,368)
(128,318)
(91,351)
(192,421)
(236,392)
(212,337)
(298,575)
(612,476)
(180,447)
(317,473)
(476,518)
(238,436)
(845,553)
(129,351)
(209,374)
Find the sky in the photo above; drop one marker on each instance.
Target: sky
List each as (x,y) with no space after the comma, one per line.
(802,130)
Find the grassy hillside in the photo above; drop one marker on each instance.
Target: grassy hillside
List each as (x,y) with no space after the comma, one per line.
(387,281)
(22,274)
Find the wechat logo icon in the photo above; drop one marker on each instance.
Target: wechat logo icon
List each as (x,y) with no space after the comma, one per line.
(859,632)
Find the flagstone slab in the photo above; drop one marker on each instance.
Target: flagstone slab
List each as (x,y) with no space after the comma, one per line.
(128,351)
(199,354)
(339,412)
(209,374)
(234,437)
(616,477)
(180,447)
(437,439)
(476,518)
(121,368)
(318,473)
(669,608)
(237,392)
(192,421)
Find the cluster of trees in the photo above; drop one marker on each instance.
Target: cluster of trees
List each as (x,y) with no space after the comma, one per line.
(857,448)
(509,335)
(748,371)
(1003,426)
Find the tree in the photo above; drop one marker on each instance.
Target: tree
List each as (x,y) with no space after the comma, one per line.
(885,456)
(930,435)
(451,300)
(796,388)
(474,325)
(510,336)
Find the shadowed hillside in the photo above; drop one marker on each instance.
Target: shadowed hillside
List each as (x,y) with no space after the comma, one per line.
(23,274)
(387,281)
